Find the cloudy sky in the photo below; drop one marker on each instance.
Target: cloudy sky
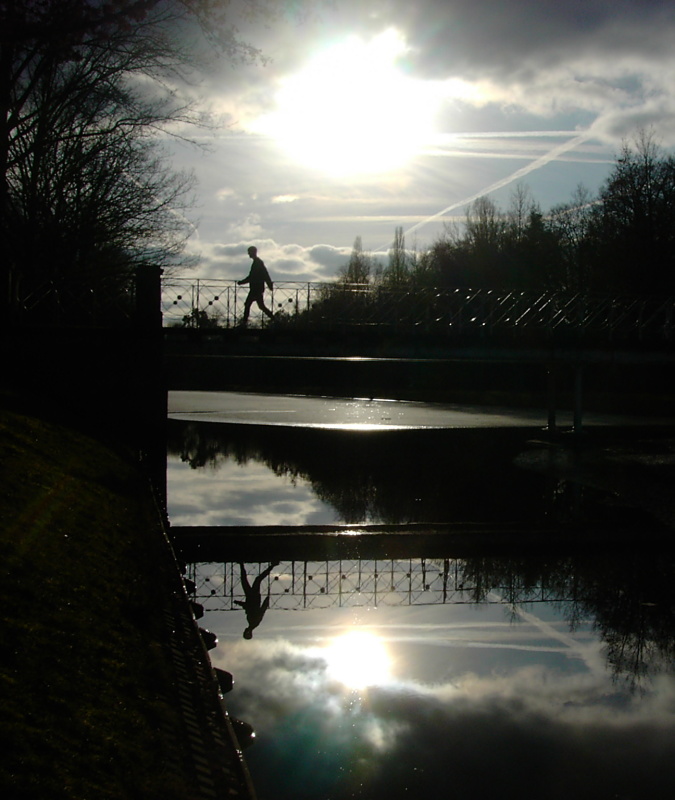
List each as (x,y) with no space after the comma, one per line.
(368,116)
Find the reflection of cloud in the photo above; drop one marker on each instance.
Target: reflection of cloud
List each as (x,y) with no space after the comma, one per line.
(531,733)
(238,495)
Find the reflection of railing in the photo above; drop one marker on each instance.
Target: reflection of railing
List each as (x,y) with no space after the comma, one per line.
(219,303)
(297,585)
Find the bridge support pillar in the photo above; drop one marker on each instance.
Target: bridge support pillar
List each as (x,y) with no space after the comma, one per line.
(551,396)
(578,399)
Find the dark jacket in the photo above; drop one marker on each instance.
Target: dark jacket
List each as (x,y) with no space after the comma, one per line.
(258,277)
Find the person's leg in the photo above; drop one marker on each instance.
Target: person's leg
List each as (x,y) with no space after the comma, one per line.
(263,307)
(247,309)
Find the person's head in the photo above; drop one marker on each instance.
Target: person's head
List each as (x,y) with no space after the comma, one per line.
(248,633)
(253,251)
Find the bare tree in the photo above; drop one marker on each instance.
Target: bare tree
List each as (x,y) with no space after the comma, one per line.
(571,223)
(485,224)
(85,87)
(633,229)
(359,267)
(484,242)
(396,272)
(518,215)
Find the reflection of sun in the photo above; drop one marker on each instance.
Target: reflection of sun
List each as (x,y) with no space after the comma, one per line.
(358,659)
(352,110)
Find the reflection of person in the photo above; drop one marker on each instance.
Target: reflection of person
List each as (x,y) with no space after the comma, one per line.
(254,608)
(256,279)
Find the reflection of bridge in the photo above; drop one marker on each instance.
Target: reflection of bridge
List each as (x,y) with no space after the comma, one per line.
(460,311)
(298,585)
(436,542)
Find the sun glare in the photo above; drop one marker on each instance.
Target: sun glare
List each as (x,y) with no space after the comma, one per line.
(358,659)
(353,110)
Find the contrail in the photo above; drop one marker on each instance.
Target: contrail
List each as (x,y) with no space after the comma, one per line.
(570,144)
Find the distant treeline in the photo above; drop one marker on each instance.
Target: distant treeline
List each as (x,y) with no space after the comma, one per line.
(620,242)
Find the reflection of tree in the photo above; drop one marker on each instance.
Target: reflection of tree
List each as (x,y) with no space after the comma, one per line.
(397,477)
(628,597)
(390,476)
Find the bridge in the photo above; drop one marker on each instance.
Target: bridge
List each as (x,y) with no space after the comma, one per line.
(411,342)
(457,312)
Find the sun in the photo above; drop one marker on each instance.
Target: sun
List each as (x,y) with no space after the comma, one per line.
(352,110)
(358,659)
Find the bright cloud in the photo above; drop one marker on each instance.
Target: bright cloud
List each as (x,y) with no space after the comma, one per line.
(287,262)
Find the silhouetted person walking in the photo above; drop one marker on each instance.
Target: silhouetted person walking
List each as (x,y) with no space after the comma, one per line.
(254,606)
(257,278)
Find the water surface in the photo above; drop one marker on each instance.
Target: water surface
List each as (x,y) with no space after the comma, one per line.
(543,677)
(531,674)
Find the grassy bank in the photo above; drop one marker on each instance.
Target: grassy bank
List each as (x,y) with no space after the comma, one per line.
(86,697)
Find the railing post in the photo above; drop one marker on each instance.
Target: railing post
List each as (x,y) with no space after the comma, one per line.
(143,394)
(551,396)
(148,291)
(578,398)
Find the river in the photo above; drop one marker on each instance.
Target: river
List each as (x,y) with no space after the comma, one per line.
(417,664)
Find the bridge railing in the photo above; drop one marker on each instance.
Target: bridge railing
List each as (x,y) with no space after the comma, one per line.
(220,303)
(205,303)
(115,300)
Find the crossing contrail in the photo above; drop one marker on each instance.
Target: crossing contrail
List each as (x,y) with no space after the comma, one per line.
(552,154)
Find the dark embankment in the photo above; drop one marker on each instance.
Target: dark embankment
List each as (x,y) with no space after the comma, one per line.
(88,697)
